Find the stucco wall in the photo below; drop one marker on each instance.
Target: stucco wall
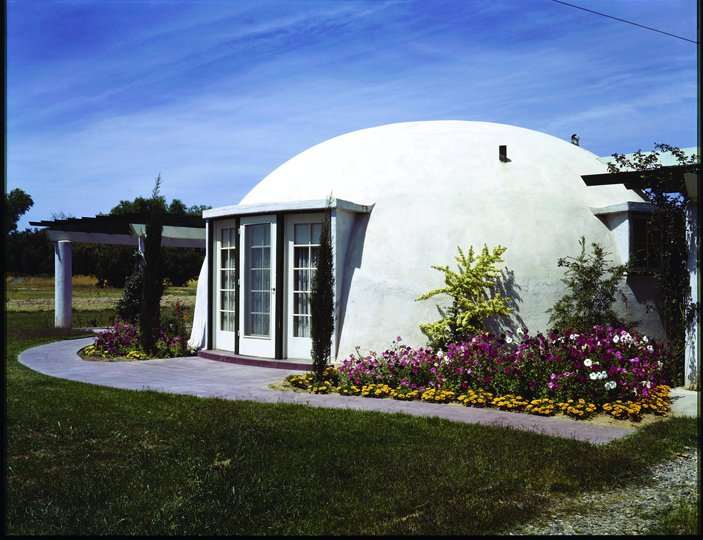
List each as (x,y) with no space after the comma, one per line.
(439,185)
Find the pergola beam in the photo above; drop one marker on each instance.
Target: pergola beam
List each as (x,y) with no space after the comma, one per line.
(178,231)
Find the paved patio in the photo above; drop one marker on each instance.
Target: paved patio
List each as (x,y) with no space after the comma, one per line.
(210,378)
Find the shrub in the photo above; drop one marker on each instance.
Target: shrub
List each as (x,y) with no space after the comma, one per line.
(592,292)
(129,305)
(471,302)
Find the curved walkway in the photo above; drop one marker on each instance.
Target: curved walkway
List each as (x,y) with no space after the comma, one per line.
(209,378)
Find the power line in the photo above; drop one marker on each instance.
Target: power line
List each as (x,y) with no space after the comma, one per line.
(623,20)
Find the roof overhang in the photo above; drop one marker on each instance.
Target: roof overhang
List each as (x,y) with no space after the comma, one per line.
(673,183)
(628,206)
(289,207)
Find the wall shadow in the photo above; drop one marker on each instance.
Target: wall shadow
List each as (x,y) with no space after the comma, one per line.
(352,261)
(508,287)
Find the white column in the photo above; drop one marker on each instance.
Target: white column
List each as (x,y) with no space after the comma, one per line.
(693,350)
(62,284)
(692,363)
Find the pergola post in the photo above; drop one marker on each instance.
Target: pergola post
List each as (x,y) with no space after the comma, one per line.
(693,351)
(62,284)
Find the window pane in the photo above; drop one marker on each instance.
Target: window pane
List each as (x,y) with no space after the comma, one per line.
(313,256)
(301,304)
(225,238)
(302,234)
(256,280)
(301,280)
(257,259)
(224,300)
(301,327)
(316,229)
(302,257)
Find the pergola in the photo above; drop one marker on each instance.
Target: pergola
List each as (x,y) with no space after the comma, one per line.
(126,229)
(677,181)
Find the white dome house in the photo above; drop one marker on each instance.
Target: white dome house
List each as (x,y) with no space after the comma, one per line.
(404,197)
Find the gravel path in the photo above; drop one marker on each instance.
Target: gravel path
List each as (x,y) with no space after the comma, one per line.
(621,511)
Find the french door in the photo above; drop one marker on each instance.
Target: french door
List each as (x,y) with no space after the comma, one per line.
(257,301)
(225,310)
(302,243)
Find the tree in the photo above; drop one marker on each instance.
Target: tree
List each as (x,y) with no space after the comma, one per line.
(471,301)
(665,189)
(17,202)
(152,274)
(322,298)
(594,287)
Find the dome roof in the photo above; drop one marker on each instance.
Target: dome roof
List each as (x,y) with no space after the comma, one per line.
(436,186)
(446,157)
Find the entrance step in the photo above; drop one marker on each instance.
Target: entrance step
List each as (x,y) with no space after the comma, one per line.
(226,356)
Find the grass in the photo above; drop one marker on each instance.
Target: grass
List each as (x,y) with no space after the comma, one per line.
(680,518)
(84,459)
(82,287)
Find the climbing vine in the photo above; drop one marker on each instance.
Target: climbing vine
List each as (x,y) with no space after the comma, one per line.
(665,189)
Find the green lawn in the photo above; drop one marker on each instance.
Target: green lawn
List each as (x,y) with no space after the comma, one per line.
(83,459)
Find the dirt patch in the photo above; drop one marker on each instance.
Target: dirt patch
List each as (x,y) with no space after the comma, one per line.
(87,304)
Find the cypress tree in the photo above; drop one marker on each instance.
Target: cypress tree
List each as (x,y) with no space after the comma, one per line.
(322,298)
(152,275)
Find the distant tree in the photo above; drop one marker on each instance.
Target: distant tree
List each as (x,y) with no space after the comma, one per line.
(17,202)
(322,298)
(152,274)
(29,252)
(113,264)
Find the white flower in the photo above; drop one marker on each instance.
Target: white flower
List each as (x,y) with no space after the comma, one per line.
(594,375)
(440,354)
(520,331)
(508,340)
(645,339)
(647,384)
(587,362)
(659,364)
(616,339)
(610,385)
(650,348)
(574,337)
(602,375)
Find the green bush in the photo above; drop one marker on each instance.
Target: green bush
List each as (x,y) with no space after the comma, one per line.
(129,305)
(471,301)
(594,285)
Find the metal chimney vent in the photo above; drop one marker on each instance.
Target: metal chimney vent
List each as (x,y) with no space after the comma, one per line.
(503,153)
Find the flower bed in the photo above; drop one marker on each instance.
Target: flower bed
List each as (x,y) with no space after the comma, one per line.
(614,371)
(122,341)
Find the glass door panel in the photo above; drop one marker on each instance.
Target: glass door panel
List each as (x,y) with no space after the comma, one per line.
(257,306)
(257,329)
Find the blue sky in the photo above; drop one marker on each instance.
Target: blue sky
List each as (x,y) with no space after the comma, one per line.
(103,95)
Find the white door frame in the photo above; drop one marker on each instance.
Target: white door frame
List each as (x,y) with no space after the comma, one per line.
(257,340)
(225,277)
(296,347)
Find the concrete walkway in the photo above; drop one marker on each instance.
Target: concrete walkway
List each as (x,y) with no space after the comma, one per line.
(209,378)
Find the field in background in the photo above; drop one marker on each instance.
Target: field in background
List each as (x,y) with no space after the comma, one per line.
(37,294)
